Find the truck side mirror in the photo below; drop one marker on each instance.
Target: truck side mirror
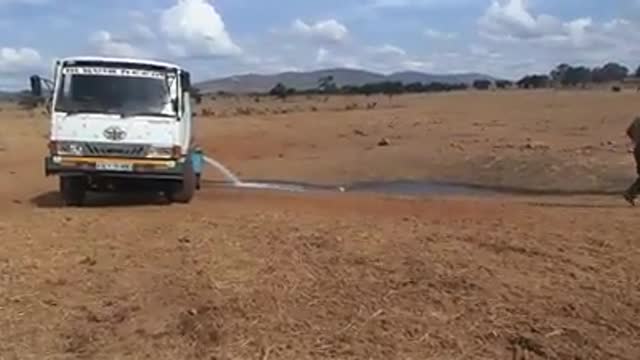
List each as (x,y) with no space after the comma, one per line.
(185,79)
(36,86)
(174,105)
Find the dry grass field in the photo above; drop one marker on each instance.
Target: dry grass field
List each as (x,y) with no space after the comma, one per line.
(243,274)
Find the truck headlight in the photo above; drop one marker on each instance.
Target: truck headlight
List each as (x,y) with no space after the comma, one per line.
(160,152)
(69,148)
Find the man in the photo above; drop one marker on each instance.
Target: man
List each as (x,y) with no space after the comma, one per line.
(633,132)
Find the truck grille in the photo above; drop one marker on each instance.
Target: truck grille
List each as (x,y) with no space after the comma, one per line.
(124,150)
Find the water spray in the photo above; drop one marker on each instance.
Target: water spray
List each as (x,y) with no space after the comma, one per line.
(228,174)
(236,182)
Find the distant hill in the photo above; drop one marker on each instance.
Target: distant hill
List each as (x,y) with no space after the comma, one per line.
(342,76)
(8,96)
(408,77)
(13,95)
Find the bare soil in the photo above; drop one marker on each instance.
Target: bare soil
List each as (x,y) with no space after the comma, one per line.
(272,275)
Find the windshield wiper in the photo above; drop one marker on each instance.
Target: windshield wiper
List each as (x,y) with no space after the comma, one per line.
(83,111)
(145,113)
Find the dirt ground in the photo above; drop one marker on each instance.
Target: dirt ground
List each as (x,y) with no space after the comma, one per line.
(269,275)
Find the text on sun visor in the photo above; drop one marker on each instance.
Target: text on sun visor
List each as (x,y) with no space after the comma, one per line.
(109,71)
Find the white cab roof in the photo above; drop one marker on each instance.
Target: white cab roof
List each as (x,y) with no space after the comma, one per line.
(121,59)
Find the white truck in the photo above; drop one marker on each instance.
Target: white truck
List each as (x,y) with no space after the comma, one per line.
(121,124)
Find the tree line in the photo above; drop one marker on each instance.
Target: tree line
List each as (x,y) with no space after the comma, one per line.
(563,75)
(389,88)
(384,87)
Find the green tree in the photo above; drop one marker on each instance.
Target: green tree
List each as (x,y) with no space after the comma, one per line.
(280,91)
(327,84)
(534,82)
(414,88)
(503,84)
(610,72)
(574,76)
(482,84)
(559,73)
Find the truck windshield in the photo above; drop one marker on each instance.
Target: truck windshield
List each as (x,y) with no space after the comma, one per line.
(116,91)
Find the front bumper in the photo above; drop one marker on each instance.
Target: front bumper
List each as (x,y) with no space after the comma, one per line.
(135,168)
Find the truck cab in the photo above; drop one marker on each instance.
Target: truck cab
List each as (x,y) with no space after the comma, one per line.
(121,124)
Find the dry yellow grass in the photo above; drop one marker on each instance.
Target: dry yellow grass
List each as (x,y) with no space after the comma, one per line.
(259,275)
(547,139)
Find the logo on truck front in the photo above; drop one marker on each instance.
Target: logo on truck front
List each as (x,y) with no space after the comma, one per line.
(114,133)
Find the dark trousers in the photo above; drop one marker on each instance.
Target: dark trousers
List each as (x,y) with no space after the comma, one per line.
(634,189)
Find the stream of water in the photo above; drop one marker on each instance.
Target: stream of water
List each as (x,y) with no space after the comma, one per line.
(226,172)
(235,181)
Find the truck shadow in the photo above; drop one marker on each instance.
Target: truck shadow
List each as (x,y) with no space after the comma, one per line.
(52,199)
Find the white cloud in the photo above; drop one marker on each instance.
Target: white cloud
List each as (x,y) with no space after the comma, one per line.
(439,35)
(17,60)
(107,45)
(482,51)
(512,20)
(327,30)
(384,4)
(416,65)
(515,37)
(387,50)
(521,33)
(327,58)
(383,58)
(390,58)
(195,28)
(322,55)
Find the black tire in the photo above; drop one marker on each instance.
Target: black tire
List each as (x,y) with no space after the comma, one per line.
(183,191)
(73,190)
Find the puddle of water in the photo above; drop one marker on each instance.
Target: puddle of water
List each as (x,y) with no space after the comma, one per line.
(409,188)
(391,187)
(270,186)
(416,188)
(450,188)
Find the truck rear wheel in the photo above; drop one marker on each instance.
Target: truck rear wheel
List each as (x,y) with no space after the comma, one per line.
(183,192)
(73,190)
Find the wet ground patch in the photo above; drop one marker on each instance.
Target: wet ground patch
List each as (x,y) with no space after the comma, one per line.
(413,188)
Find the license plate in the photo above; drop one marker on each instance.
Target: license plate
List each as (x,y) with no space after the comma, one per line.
(114,167)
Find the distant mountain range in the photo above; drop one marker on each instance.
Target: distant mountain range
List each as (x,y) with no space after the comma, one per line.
(8,96)
(342,76)
(309,80)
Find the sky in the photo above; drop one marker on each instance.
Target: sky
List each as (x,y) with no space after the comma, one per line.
(217,38)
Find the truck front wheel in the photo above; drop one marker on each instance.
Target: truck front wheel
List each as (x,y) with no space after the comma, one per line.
(73,190)
(183,191)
